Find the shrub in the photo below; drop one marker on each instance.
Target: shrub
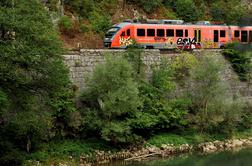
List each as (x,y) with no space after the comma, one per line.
(65,24)
(186,10)
(63,114)
(247,116)
(212,109)
(217,11)
(150,5)
(232,117)
(84,28)
(205,91)
(160,109)
(100,22)
(52,5)
(81,7)
(9,154)
(28,129)
(134,57)
(182,65)
(108,6)
(229,12)
(4,102)
(240,58)
(111,100)
(68,26)
(30,76)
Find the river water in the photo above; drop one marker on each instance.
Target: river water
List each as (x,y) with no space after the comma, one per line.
(230,158)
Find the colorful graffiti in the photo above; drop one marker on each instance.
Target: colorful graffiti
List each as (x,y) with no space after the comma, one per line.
(160,39)
(125,41)
(170,41)
(187,43)
(209,44)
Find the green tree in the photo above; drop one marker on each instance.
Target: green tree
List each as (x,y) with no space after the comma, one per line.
(240,58)
(182,65)
(32,72)
(186,10)
(206,90)
(150,5)
(212,106)
(229,12)
(161,109)
(81,7)
(111,100)
(100,21)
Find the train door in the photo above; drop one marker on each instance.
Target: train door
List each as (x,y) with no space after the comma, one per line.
(250,36)
(244,36)
(216,36)
(197,37)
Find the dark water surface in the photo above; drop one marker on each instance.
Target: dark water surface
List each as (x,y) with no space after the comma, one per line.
(231,158)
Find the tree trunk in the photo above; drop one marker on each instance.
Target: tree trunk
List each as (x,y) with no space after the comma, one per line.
(28,145)
(124,4)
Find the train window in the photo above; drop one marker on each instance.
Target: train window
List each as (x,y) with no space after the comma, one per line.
(140,32)
(186,33)
(250,36)
(236,33)
(179,33)
(160,33)
(128,32)
(169,32)
(244,36)
(150,32)
(123,33)
(222,33)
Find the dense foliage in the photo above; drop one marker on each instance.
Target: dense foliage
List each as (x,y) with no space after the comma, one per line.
(111,101)
(203,103)
(120,104)
(240,58)
(213,109)
(98,14)
(32,78)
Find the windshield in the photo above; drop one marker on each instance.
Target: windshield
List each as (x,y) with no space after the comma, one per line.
(110,33)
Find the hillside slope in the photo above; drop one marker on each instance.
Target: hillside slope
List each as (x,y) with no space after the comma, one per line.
(83,23)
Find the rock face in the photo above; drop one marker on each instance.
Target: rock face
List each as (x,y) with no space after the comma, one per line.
(82,63)
(210,147)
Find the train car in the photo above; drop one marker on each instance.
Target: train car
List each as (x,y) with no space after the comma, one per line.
(175,34)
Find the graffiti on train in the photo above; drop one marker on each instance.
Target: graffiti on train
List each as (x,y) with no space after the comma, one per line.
(186,41)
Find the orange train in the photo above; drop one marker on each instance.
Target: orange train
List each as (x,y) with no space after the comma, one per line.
(175,34)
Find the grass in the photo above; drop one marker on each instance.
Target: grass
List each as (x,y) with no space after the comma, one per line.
(192,138)
(62,151)
(243,134)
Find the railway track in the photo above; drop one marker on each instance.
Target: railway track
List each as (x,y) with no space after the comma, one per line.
(162,51)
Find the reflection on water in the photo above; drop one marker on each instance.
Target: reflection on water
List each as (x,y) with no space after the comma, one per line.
(231,158)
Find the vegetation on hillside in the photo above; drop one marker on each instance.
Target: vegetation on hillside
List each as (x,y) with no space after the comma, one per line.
(89,17)
(240,57)
(120,107)
(33,79)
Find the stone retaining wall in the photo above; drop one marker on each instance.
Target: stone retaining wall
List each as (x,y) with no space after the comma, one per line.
(82,63)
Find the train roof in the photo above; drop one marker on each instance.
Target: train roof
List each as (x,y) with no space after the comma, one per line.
(176,23)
